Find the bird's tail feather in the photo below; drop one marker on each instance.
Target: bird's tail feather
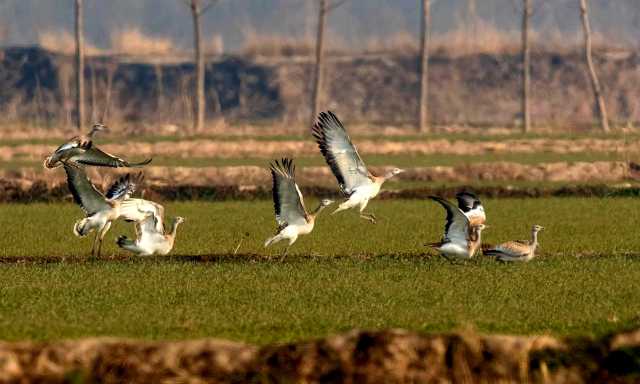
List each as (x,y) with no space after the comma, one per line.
(434,245)
(80,228)
(272,240)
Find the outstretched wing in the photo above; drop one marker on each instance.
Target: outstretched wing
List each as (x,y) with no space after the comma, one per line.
(83,191)
(472,207)
(94,156)
(456,228)
(287,199)
(340,153)
(124,187)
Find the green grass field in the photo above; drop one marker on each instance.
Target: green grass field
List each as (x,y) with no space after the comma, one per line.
(347,274)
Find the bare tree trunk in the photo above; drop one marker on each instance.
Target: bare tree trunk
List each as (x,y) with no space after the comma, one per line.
(595,83)
(79,64)
(198,116)
(319,68)
(424,67)
(526,66)
(159,92)
(94,108)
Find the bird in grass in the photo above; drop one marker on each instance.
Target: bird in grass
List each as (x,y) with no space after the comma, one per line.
(472,207)
(149,241)
(519,250)
(461,238)
(80,150)
(101,210)
(357,184)
(291,215)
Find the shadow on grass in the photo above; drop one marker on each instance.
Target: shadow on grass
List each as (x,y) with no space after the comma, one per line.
(254,258)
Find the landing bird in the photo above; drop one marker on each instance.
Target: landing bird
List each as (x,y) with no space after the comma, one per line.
(291,215)
(101,210)
(472,207)
(355,181)
(461,238)
(149,240)
(80,150)
(519,250)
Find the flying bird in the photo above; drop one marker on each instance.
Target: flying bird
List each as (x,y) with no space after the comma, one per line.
(291,215)
(461,238)
(472,207)
(519,250)
(356,182)
(101,210)
(149,241)
(80,150)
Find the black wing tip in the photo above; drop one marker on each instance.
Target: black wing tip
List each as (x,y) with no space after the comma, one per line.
(141,163)
(285,166)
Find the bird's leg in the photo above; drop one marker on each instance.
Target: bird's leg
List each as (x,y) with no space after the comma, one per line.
(370,217)
(103,232)
(286,250)
(95,243)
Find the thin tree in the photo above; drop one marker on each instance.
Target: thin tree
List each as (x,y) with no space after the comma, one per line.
(601,108)
(324,7)
(198,8)
(79,63)
(425,24)
(526,66)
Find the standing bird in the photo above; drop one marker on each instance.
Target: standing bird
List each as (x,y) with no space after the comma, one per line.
(472,207)
(101,210)
(149,240)
(519,250)
(355,181)
(461,237)
(291,215)
(80,150)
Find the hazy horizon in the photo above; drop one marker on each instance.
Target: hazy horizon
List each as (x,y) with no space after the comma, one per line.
(354,24)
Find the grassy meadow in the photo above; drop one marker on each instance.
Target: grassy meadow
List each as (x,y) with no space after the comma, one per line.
(346,274)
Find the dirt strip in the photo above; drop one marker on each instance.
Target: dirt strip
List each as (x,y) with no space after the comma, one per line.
(393,356)
(276,149)
(598,171)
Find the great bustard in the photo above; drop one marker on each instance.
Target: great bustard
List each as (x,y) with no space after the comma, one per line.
(101,210)
(355,181)
(80,150)
(519,250)
(149,240)
(291,215)
(461,238)
(472,207)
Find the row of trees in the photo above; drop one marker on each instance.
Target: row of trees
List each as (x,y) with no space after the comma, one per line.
(325,7)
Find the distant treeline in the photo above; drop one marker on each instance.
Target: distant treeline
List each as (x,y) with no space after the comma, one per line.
(36,86)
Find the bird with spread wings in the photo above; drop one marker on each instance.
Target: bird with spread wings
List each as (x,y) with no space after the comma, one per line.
(291,215)
(356,182)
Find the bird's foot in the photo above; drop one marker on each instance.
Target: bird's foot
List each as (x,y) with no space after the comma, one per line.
(369,217)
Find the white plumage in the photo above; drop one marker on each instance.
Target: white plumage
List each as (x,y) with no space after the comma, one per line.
(461,238)
(149,240)
(291,215)
(354,179)
(101,210)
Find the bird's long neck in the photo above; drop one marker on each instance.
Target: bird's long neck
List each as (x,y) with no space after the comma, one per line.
(174,229)
(534,240)
(317,211)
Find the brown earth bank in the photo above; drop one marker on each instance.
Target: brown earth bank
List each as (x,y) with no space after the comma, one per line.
(391,356)
(246,182)
(203,148)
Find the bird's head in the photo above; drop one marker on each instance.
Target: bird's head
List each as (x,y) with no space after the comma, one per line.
(179,220)
(326,202)
(98,127)
(51,162)
(537,228)
(480,227)
(393,172)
